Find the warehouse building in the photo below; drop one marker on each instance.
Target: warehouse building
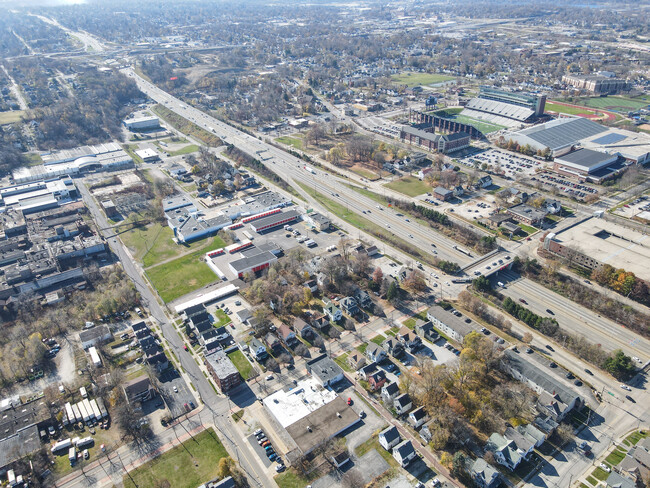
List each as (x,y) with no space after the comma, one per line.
(138,124)
(147,155)
(275,220)
(253,261)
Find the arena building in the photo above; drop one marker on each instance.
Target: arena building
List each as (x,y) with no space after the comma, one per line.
(503,107)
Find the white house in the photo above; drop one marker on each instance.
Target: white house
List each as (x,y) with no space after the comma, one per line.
(389,438)
(403,404)
(404,453)
(375,353)
(417,417)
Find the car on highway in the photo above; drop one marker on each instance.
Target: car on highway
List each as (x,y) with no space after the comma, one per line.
(569,375)
(523,301)
(410,236)
(577,383)
(625,387)
(630,398)
(588,372)
(553,365)
(549,347)
(548,310)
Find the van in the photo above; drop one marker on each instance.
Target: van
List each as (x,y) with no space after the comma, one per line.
(501,284)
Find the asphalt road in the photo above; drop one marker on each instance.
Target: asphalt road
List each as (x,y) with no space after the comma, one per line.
(217,406)
(573,317)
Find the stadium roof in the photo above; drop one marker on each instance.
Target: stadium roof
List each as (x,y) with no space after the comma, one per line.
(500,108)
(560,133)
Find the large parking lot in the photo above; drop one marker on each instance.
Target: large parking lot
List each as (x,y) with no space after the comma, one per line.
(380,125)
(634,208)
(578,190)
(176,394)
(510,163)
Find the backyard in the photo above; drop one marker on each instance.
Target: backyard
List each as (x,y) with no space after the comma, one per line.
(242,364)
(186,466)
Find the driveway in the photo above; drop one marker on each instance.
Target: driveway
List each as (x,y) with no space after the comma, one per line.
(175,400)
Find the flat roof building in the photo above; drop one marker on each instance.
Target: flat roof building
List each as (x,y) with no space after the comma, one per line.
(449,324)
(223,371)
(275,220)
(252,262)
(147,155)
(443,143)
(526,214)
(142,123)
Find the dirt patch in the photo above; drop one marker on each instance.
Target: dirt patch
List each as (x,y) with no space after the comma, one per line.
(192,282)
(644,127)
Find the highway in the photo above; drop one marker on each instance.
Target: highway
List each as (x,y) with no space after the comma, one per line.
(574,317)
(217,407)
(292,167)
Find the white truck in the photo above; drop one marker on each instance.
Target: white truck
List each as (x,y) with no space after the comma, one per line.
(61,445)
(85,442)
(72,455)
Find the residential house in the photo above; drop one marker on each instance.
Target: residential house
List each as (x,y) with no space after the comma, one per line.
(389,438)
(320,321)
(244,315)
(417,417)
(312,285)
(449,324)
(157,360)
(375,352)
(325,370)
(497,220)
(139,389)
(363,299)
(484,182)
(287,335)
(552,206)
(424,172)
(409,338)
(615,480)
(356,360)
(555,399)
(95,336)
(273,342)
(636,463)
(424,328)
(545,424)
(505,451)
(333,312)
(302,328)
(372,251)
(403,403)
(404,453)
(389,391)
(425,434)
(532,432)
(442,193)
(349,306)
(484,474)
(458,191)
(377,380)
(524,443)
(367,370)
(257,349)
(393,347)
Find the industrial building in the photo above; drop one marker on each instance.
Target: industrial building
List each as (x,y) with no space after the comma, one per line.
(85,159)
(148,155)
(318,221)
(426,138)
(596,84)
(310,414)
(564,135)
(138,124)
(596,242)
(252,261)
(275,220)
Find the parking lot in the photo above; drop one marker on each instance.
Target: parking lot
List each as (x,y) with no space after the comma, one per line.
(634,208)
(578,190)
(510,164)
(175,400)
(473,209)
(380,125)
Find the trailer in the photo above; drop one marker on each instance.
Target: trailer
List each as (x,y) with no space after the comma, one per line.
(102,408)
(61,445)
(77,413)
(72,455)
(95,407)
(94,357)
(89,410)
(83,392)
(84,414)
(86,441)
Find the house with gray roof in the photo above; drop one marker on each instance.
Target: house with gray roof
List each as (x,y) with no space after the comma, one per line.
(389,438)
(449,324)
(505,451)
(325,370)
(404,453)
(484,474)
(375,353)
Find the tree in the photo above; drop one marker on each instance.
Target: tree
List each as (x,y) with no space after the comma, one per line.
(459,464)
(393,293)
(527,338)
(482,284)
(378,275)
(619,365)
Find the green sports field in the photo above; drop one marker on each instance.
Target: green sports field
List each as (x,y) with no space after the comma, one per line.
(417,79)
(616,104)
(563,109)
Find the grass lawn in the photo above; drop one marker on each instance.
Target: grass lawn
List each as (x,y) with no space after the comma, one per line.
(180,276)
(130,149)
(373,443)
(484,127)
(362,347)
(291,478)
(184,466)
(186,127)
(409,185)
(222,318)
(378,339)
(621,104)
(290,141)
(562,109)
(592,481)
(34,158)
(364,173)
(370,194)
(410,322)
(342,361)
(600,474)
(242,364)
(615,457)
(635,437)
(527,228)
(11,116)
(185,150)
(417,79)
